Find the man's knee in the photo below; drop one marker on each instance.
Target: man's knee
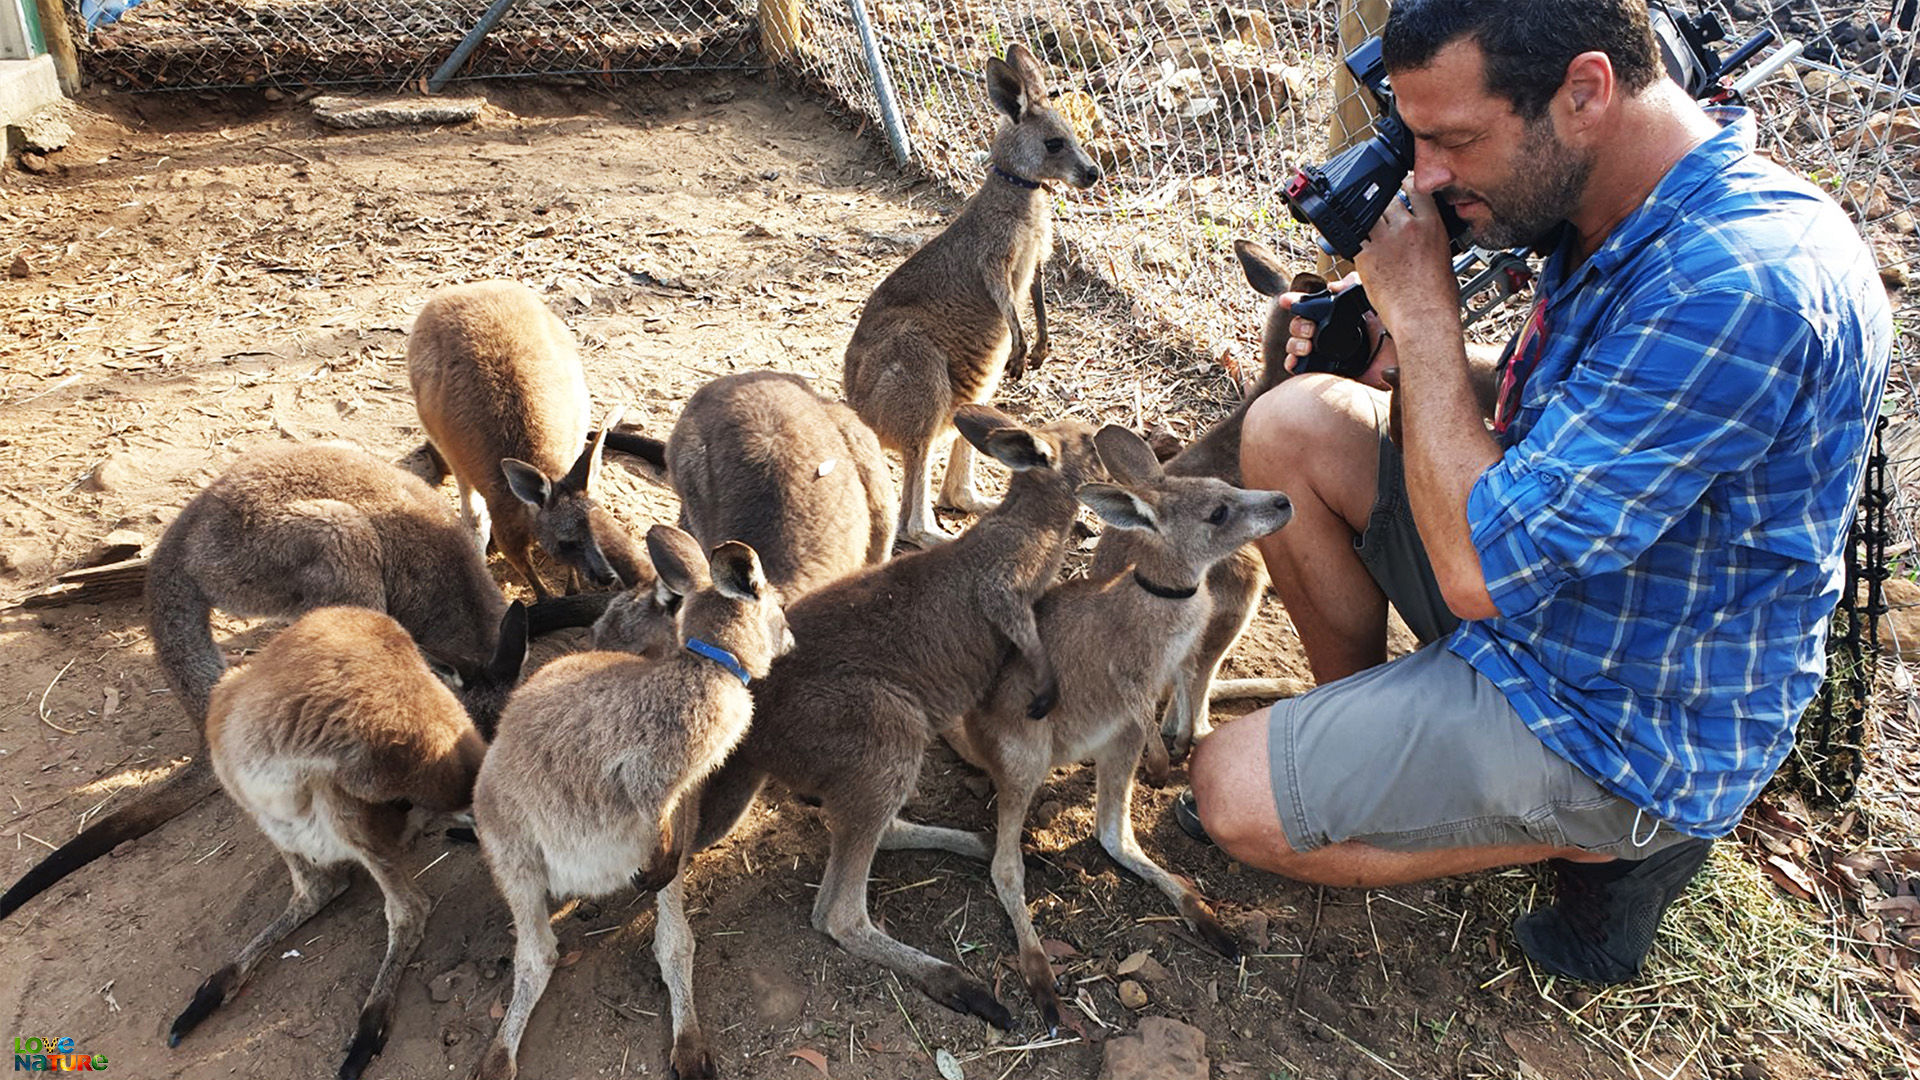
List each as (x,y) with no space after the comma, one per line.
(1234,794)
(1305,422)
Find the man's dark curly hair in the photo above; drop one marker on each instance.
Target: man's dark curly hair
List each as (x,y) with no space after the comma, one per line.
(1527,43)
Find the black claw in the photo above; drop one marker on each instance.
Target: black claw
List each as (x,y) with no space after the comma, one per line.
(211,995)
(368,1041)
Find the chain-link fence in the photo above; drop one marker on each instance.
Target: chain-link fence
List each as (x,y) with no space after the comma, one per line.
(201,44)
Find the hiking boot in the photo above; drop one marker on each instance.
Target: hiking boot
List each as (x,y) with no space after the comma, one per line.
(1601,924)
(1186,814)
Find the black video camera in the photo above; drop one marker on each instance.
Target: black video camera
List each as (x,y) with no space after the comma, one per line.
(1343,198)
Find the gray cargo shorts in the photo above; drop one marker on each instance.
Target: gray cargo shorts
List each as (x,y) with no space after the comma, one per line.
(1423,753)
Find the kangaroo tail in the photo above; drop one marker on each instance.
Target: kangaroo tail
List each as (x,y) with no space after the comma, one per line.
(650,450)
(177,614)
(172,797)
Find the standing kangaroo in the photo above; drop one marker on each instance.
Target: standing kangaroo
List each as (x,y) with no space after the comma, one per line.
(1117,644)
(585,790)
(942,329)
(503,399)
(891,656)
(1235,584)
(327,738)
(286,530)
(760,458)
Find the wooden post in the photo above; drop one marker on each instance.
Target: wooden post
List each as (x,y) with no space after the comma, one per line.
(1353,105)
(781,29)
(66,60)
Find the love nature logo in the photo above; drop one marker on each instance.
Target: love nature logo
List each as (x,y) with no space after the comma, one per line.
(53,1055)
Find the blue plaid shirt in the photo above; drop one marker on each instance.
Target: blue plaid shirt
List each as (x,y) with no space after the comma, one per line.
(1663,533)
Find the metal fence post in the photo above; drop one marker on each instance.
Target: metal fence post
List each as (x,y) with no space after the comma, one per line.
(468,44)
(882,83)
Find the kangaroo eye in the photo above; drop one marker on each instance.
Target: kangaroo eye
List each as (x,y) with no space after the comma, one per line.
(1219,515)
(1054,146)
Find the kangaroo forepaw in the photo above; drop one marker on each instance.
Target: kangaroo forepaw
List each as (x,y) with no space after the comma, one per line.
(211,995)
(368,1040)
(1044,701)
(691,1061)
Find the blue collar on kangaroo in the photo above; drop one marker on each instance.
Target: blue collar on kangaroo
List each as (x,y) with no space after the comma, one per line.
(720,656)
(1016,180)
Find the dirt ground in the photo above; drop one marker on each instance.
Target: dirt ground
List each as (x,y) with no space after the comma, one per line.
(207,274)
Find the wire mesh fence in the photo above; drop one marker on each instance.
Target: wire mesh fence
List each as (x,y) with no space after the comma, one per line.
(210,44)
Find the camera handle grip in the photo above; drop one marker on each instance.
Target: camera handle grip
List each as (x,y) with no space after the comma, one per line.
(1339,332)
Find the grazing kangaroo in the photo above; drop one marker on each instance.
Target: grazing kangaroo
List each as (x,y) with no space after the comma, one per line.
(327,738)
(1235,584)
(503,399)
(942,329)
(760,458)
(286,530)
(1116,644)
(585,790)
(891,656)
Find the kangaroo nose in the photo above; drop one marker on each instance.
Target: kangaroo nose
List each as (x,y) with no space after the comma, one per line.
(1090,176)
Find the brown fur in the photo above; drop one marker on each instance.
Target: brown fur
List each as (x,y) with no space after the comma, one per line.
(1234,585)
(890,656)
(326,739)
(1117,648)
(942,329)
(286,530)
(586,785)
(503,399)
(761,458)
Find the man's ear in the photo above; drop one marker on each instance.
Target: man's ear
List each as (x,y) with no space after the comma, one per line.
(1588,88)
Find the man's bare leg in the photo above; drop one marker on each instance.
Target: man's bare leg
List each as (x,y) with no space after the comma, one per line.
(1233,789)
(1316,438)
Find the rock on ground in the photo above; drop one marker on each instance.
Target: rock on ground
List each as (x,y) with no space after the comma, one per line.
(1162,1049)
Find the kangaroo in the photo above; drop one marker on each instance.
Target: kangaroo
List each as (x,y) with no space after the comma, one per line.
(942,330)
(1235,584)
(327,738)
(503,399)
(888,657)
(586,788)
(1116,644)
(760,458)
(286,530)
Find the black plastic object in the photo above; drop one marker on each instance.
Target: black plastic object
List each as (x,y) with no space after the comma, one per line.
(1339,332)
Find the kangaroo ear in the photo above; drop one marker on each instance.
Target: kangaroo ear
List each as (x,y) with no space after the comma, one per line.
(976,422)
(736,572)
(678,560)
(1118,507)
(527,483)
(1262,267)
(1029,71)
(1005,90)
(445,669)
(1019,449)
(510,654)
(1127,456)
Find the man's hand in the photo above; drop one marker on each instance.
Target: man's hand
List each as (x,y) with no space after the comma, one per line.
(1408,267)
(1379,342)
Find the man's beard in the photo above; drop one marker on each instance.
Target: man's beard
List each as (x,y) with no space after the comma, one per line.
(1542,193)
